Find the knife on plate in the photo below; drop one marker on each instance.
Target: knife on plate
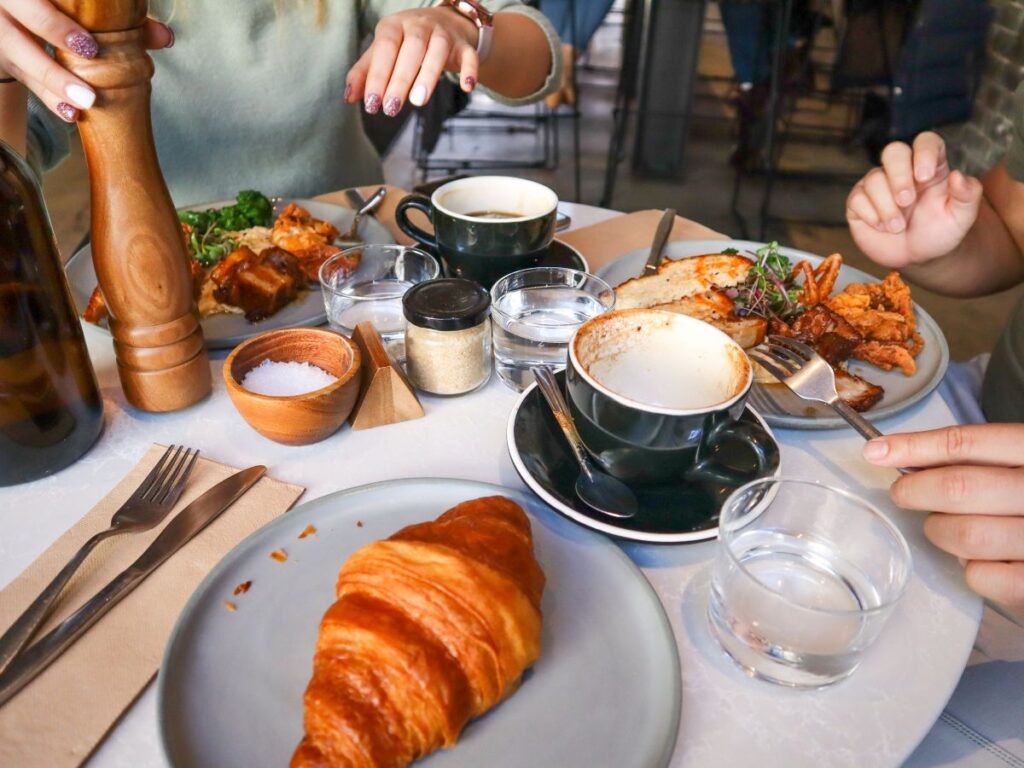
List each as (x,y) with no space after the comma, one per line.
(178,532)
(668,219)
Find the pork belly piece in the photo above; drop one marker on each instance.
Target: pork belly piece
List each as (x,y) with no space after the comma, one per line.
(258,284)
(831,336)
(856,392)
(261,290)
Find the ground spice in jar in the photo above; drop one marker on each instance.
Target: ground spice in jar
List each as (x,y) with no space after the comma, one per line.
(447,336)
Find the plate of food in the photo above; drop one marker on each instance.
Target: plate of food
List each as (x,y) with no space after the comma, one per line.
(254,264)
(469,625)
(887,352)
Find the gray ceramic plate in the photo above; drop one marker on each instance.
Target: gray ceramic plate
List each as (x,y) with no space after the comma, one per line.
(605,692)
(225,331)
(779,406)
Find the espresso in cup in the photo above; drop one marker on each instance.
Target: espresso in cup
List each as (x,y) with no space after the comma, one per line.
(485,226)
(655,396)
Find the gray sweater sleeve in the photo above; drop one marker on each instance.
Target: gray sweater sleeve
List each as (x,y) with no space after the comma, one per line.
(49,137)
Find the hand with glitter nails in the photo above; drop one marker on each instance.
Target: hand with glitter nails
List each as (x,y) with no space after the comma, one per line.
(412,49)
(27,25)
(410,52)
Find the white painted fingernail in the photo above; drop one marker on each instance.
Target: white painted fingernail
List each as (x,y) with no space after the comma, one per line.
(419,95)
(80,96)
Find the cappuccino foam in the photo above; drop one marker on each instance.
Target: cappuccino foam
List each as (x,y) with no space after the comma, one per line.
(665,363)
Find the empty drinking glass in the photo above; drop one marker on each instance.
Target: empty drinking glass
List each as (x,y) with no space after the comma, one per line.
(535,312)
(372,289)
(804,579)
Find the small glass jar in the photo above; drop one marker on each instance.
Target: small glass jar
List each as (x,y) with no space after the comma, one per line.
(447,335)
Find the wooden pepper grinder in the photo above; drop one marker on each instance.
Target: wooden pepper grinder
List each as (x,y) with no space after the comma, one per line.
(137,245)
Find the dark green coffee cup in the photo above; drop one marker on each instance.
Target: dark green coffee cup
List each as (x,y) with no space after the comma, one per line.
(485,226)
(658,396)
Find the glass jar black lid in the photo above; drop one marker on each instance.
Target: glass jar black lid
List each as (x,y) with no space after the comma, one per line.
(446,304)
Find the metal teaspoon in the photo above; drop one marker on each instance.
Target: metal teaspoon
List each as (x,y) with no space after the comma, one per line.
(597,490)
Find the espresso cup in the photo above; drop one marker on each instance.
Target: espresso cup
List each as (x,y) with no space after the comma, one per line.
(658,396)
(485,226)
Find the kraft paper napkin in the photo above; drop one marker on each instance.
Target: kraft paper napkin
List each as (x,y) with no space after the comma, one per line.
(603,242)
(61,716)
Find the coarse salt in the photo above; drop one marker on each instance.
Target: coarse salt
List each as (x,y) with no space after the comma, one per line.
(286,379)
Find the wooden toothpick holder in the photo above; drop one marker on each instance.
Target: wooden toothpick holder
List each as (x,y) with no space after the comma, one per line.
(387,396)
(137,247)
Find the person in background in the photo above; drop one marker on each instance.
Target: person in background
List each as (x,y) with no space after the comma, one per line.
(959,236)
(576,37)
(263,94)
(750,32)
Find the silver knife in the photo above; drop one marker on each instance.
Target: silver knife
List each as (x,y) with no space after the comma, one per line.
(178,532)
(668,218)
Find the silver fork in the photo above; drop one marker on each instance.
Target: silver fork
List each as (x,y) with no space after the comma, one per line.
(809,376)
(152,500)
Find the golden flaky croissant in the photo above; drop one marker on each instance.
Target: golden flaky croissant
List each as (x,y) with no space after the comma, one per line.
(431,628)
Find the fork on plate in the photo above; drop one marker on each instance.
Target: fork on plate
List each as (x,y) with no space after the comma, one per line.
(809,376)
(152,501)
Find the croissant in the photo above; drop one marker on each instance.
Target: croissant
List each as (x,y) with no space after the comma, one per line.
(432,627)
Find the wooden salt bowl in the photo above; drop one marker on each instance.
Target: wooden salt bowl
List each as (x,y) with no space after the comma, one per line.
(296,419)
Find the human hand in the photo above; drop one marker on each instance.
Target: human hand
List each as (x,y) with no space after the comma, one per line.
(912,209)
(410,51)
(974,487)
(26,26)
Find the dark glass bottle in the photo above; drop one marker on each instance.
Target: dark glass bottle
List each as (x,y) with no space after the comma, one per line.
(50,407)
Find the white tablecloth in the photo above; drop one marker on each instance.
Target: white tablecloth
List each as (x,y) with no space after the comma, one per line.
(464,438)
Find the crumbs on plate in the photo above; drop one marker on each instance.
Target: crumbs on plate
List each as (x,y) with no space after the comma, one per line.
(279,554)
(242,588)
(230,606)
(309,530)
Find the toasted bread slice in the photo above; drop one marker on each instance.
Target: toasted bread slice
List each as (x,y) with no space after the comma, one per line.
(716,308)
(693,286)
(683,278)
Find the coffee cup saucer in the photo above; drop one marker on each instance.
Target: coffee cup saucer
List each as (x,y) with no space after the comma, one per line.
(561,254)
(558,254)
(675,512)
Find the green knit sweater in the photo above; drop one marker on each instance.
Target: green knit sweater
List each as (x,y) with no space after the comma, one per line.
(250,96)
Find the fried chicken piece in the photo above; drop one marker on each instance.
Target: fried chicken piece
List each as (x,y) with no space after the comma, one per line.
(311,259)
(881,312)
(96,310)
(896,297)
(826,273)
(886,356)
(296,230)
(809,294)
(884,314)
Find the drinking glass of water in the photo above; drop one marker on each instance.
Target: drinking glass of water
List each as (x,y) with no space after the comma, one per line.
(367,282)
(535,312)
(805,577)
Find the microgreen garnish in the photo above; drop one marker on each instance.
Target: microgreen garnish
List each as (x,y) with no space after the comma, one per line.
(768,291)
